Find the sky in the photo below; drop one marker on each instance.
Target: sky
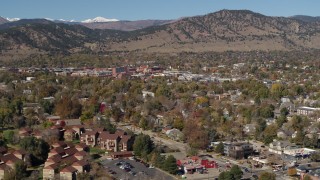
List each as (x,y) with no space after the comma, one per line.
(149,9)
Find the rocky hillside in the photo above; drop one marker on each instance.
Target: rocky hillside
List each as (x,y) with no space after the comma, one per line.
(46,36)
(221,31)
(227,30)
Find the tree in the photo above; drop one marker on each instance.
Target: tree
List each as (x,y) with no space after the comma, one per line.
(157,159)
(178,123)
(226,176)
(170,164)
(37,148)
(196,135)
(267,176)
(67,108)
(236,172)
(292,171)
(307,177)
(20,169)
(105,122)
(270,133)
(315,157)
(47,106)
(9,136)
(143,123)
(142,145)
(219,148)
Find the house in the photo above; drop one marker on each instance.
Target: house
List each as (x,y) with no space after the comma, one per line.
(306,111)
(20,154)
(119,71)
(238,150)
(196,164)
(174,134)
(3,169)
(249,129)
(81,166)
(50,171)
(89,138)
(165,129)
(126,143)
(24,132)
(146,94)
(63,154)
(282,134)
(108,141)
(68,173)
(278,147)
(70,135)
(118,141)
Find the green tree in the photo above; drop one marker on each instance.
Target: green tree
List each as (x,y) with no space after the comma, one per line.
(267,176)
(226,176)
(8,136)
(37,148)
(157,159)
(219,148)
(170,164)
(236,172)
(178,123)
(281,120)
(142,145)
(105,122)
(315,157)
(270,133)
(20,169)
(47,106)
(307,177)
(143,123)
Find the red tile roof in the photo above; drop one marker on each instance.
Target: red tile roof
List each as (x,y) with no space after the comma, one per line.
(57,150)
(81,153)
(80,163)
(71,151)
(3,166)
(52,166)
(56,158)
(69,169)
(69,159)
(9,158)
(20,152)
(125,139)
(3,150)
(107,136)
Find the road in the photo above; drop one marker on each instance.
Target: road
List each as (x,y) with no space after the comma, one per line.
(182,147)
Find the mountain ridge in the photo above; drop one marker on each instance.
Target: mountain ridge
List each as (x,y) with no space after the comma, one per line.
(225,30)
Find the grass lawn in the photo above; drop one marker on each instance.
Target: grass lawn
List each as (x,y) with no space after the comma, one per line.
(94,150)
(15,147)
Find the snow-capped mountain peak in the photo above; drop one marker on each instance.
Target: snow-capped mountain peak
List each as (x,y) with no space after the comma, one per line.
(13,19)
(99,19)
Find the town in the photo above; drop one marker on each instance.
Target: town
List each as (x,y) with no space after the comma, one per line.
(151,121)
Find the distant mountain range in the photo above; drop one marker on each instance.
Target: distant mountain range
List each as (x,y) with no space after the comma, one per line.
(3,20)
(306,18)
(95,23)
(225,30)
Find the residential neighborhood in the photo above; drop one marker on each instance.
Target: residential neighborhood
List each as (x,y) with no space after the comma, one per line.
(150,120)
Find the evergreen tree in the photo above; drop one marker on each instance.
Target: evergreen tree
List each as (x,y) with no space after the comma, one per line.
(170,164)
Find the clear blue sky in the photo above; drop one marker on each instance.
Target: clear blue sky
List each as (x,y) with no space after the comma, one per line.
(149,9)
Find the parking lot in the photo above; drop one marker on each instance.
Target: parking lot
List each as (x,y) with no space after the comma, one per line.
(131,169)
